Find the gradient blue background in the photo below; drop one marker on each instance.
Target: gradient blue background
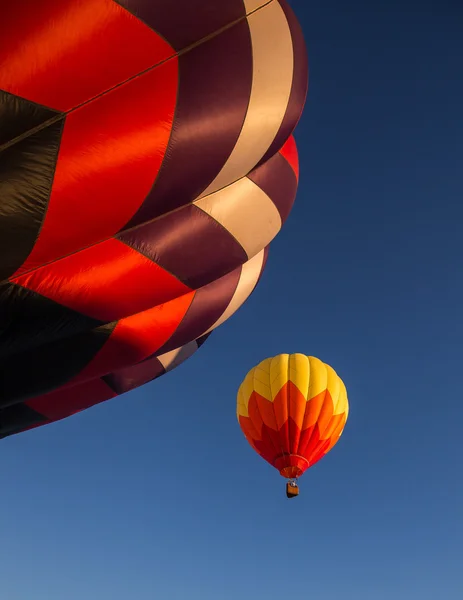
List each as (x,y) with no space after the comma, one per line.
(157,495)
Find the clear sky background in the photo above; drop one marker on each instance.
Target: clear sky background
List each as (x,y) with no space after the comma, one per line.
(156,495)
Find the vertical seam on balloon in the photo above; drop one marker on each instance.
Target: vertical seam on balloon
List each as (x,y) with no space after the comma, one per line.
(296,391)
(283,452)
(269,437)
(288,401)
(322,406)
(328,399)
(306,396)
(318,415)
(338,397)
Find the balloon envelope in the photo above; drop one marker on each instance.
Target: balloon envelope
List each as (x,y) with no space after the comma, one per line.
(146,163)
(292,410)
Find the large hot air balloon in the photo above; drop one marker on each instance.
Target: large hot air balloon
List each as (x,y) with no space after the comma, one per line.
(146,163)
(292,410)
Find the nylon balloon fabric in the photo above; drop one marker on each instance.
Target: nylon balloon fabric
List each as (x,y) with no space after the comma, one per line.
(292,410)
(70,400)
(146,163)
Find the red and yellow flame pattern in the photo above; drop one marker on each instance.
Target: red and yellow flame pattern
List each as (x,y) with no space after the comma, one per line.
(292,409)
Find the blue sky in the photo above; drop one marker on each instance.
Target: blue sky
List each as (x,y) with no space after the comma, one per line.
(157,495)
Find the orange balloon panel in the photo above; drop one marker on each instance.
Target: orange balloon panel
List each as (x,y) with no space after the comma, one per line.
(292,409)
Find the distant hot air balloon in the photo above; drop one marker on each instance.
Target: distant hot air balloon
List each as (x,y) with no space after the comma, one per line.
(146,163)
(292,410)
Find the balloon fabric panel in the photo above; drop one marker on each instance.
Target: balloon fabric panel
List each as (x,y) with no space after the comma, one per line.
(130,141)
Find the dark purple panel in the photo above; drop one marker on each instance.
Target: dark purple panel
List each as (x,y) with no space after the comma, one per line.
(214,90)
(299,87)
(209,304)
(184,22)
(189,244)
(278,180)
(132,377)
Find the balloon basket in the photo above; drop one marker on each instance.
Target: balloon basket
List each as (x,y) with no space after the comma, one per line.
(292,490)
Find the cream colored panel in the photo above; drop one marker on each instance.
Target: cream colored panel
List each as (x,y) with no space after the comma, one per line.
(250,273)
(272,80)
(172,359)
(252,5)
(246,212)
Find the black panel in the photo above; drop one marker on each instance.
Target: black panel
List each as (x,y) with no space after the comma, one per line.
(19,116)
(29,320)
(41,370)
(27,166)
(17,418)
